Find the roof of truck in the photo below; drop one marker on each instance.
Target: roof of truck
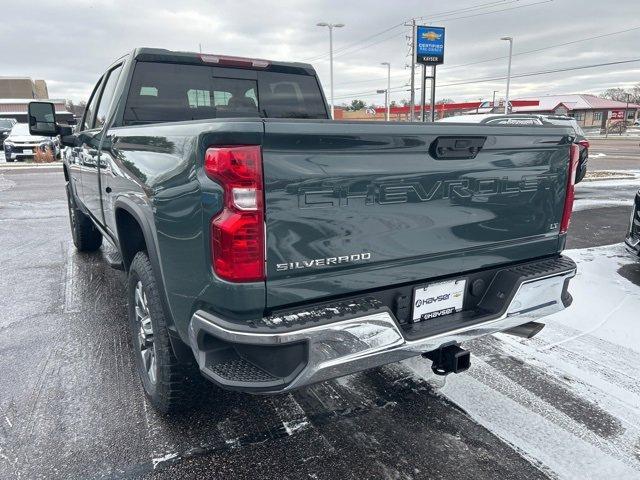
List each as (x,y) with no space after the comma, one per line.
(164,55)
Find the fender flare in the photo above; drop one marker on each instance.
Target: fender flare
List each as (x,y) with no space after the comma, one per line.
(180,348)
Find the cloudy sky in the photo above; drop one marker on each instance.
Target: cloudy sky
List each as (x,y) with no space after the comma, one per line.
(70,43)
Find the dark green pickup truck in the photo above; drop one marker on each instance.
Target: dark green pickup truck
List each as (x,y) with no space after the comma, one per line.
(273,247)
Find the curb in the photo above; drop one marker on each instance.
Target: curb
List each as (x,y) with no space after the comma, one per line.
(20,166)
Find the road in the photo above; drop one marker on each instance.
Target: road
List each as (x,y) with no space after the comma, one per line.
(614,153)
(71,405)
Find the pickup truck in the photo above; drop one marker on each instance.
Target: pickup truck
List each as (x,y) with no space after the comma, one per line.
(270,247)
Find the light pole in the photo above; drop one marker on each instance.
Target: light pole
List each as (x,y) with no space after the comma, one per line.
(331,26)
(387,100)
(493,103)
(506,102)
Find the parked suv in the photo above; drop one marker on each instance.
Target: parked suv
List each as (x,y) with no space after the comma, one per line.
(5,128)
(633,236)
(21,144)
(272,247)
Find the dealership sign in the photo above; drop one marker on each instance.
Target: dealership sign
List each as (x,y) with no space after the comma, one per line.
(616,114)
(430,45)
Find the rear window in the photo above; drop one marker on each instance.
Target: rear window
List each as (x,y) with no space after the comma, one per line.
(164,92)
(4,123)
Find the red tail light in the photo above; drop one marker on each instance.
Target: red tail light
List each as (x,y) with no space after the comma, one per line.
(574,156)
(237,233)
(584,143)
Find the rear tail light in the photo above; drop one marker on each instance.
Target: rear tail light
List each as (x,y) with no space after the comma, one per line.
(574,155)
(584,143)
(237,233)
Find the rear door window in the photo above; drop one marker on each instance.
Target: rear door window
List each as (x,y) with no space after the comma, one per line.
(163,92)
(90,109)
(106,97)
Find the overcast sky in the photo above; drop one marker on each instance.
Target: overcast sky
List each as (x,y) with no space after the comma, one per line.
(70,43)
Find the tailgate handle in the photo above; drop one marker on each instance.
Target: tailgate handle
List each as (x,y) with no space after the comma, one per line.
(456,148)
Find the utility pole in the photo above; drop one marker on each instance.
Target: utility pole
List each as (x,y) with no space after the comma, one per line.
(331,27)
(423,93)
(493,102)
(412,103)
(387,97)
(625,113)
(506,101)
(433,93)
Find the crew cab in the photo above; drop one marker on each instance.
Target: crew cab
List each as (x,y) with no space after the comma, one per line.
(272,247)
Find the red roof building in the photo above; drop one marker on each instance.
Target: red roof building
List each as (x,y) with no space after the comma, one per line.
(588,110)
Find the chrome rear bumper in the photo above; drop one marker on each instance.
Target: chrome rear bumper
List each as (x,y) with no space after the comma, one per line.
(361,342)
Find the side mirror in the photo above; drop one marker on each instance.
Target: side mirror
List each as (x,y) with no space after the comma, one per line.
(42,119)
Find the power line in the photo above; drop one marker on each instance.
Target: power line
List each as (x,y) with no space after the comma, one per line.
(448,67)
(346,52)
(400,88)
(382,32)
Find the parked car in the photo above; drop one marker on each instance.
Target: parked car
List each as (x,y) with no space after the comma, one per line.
(21,144)
(5,128)
(272,247)
(534,119)
(633,235)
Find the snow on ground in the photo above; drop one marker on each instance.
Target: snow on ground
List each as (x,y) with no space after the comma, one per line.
(568,399)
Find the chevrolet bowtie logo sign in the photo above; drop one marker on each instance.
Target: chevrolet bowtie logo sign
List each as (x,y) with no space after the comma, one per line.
(431,35)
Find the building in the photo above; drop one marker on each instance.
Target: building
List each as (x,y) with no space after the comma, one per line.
(23,87)
(589,111)
(401,113)
(17,108)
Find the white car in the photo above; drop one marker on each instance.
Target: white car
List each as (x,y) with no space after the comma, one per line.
(20,144)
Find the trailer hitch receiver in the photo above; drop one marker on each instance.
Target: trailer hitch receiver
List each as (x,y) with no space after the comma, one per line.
(449,359)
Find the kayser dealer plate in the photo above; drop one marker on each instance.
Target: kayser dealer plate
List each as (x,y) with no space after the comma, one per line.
(437,299)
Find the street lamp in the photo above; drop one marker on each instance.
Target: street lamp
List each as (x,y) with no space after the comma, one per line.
(331,26)
(384,90)
(387,100)
(506,102)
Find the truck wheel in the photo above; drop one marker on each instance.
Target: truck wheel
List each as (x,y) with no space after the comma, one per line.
(86,236)
(166,381)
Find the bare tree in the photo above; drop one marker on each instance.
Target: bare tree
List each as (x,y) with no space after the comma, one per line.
(620,94)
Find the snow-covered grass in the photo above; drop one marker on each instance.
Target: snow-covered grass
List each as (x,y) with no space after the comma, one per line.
(573,405)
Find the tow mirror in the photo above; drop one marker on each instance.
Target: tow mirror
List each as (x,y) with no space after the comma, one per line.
(42,119)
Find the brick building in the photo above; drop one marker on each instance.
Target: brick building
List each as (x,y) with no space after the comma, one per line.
(23,87)
(589,111)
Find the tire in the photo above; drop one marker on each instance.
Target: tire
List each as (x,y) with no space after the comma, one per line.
(86,236)
(167,382)
(10,159)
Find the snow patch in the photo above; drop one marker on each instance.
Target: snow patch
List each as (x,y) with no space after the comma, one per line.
(295,426)
(590,203)
(590,350)
(165,458)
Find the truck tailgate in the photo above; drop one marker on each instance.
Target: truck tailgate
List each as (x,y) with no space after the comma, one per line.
(355,206)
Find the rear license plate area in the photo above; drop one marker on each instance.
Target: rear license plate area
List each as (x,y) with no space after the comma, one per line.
(438,299)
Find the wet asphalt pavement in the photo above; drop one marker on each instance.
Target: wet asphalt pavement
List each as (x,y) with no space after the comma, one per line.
(71,405)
